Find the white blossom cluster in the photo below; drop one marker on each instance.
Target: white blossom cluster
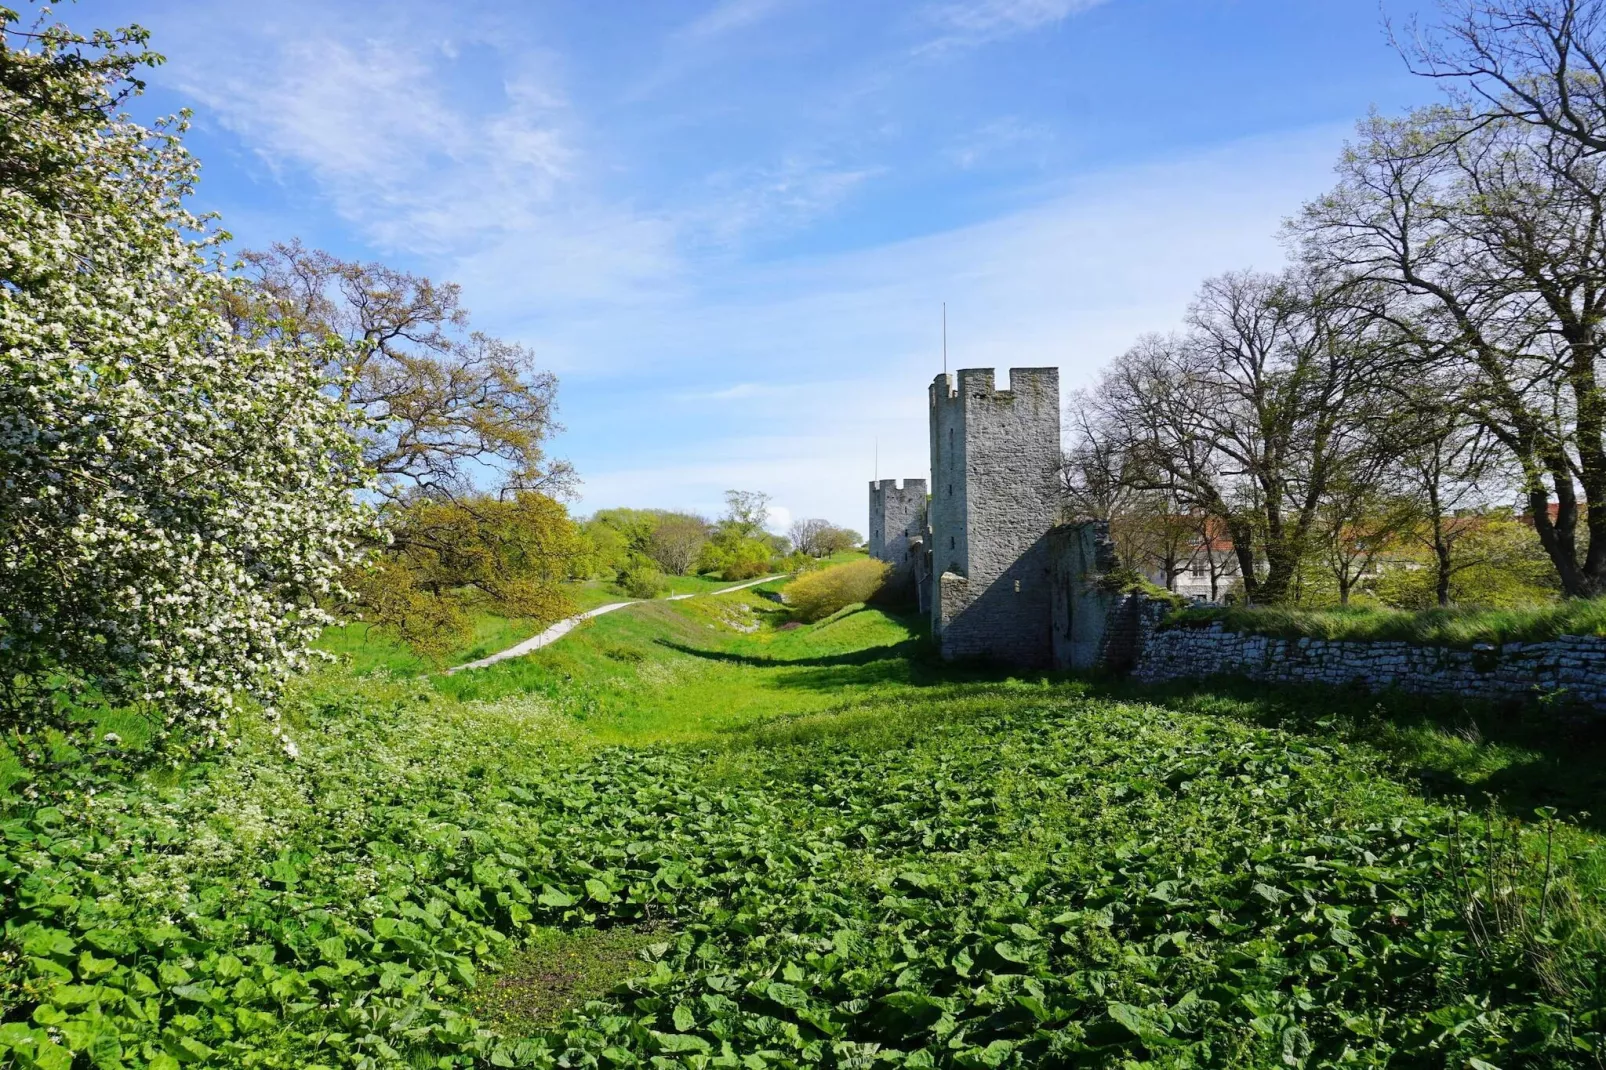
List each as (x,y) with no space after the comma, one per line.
(175,498)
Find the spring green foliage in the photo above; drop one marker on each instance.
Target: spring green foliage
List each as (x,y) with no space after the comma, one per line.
(854,856)
(451,561)
(1131,581)
(1450,627)
(1498,564)
(641,580)
(736,557)
(738,548)
(816,595)
(622,539)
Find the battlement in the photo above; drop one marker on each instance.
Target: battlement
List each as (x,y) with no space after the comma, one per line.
(910,486)
(980,384)
(994,459)
(897,516)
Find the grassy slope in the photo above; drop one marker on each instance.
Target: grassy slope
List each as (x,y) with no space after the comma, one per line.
(365,651)
(1451,627)
(821,841)
(685,672)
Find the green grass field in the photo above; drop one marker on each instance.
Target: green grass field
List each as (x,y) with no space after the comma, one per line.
(597,592)
(365,650)
(684,836)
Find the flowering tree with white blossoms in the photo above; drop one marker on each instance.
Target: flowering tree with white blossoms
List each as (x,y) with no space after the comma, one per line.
(175,498)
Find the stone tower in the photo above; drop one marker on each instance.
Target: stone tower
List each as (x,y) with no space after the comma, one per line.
(995,455)
(897,515)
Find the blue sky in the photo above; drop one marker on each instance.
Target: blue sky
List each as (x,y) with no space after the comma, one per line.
(729,224)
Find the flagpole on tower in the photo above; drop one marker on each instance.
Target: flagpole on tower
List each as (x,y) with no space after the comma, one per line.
(945,338)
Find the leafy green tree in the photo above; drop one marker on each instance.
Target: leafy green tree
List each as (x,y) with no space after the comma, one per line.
(1498,564)
(607,549)
(747,511)
(641,579)
(735,557)
(452,558)
(177,499)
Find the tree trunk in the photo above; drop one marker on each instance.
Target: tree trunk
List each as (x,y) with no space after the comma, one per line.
(1243,546)
(1441,581)
(1280,568)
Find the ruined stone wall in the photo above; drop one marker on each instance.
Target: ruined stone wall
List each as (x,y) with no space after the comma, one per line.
(897,520)
(1081,607)
(1134,620)
(995,454)
(1572,667)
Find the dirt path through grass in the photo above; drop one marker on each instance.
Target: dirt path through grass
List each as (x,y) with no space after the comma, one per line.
(564,627)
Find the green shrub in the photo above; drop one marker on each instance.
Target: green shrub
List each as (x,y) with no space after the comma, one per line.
(736,558)
(1130,581)
(639,579)
(819,594)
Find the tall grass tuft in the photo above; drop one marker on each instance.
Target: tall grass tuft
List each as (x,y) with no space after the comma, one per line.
(1446,627)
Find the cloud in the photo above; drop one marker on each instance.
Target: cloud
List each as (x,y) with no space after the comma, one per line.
(771,200)
(1003,139)
(967,23)
(727,16)
(739,392)
(1071,281)
(451,151)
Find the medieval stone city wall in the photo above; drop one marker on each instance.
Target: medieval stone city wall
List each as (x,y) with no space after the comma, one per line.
(1571,668)
(994,498)
(1004,583)
(1082,607)
(897,522)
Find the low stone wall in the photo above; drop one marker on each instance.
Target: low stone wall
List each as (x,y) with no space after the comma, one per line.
(1129,629)
(1572,667)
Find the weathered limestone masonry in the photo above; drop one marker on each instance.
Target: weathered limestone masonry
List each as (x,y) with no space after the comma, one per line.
(1081,606)
(994,455)
(1133,621)
(1571,667)
(897,516)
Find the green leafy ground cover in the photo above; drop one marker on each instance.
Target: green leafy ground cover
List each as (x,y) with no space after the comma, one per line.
(677,840)
(1450,627)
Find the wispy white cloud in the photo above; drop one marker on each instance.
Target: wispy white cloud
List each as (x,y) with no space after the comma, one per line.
(771,199)
(963,23)
(492,180)
(1004,139)
(726,16)
(1071,282)
(736,392)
